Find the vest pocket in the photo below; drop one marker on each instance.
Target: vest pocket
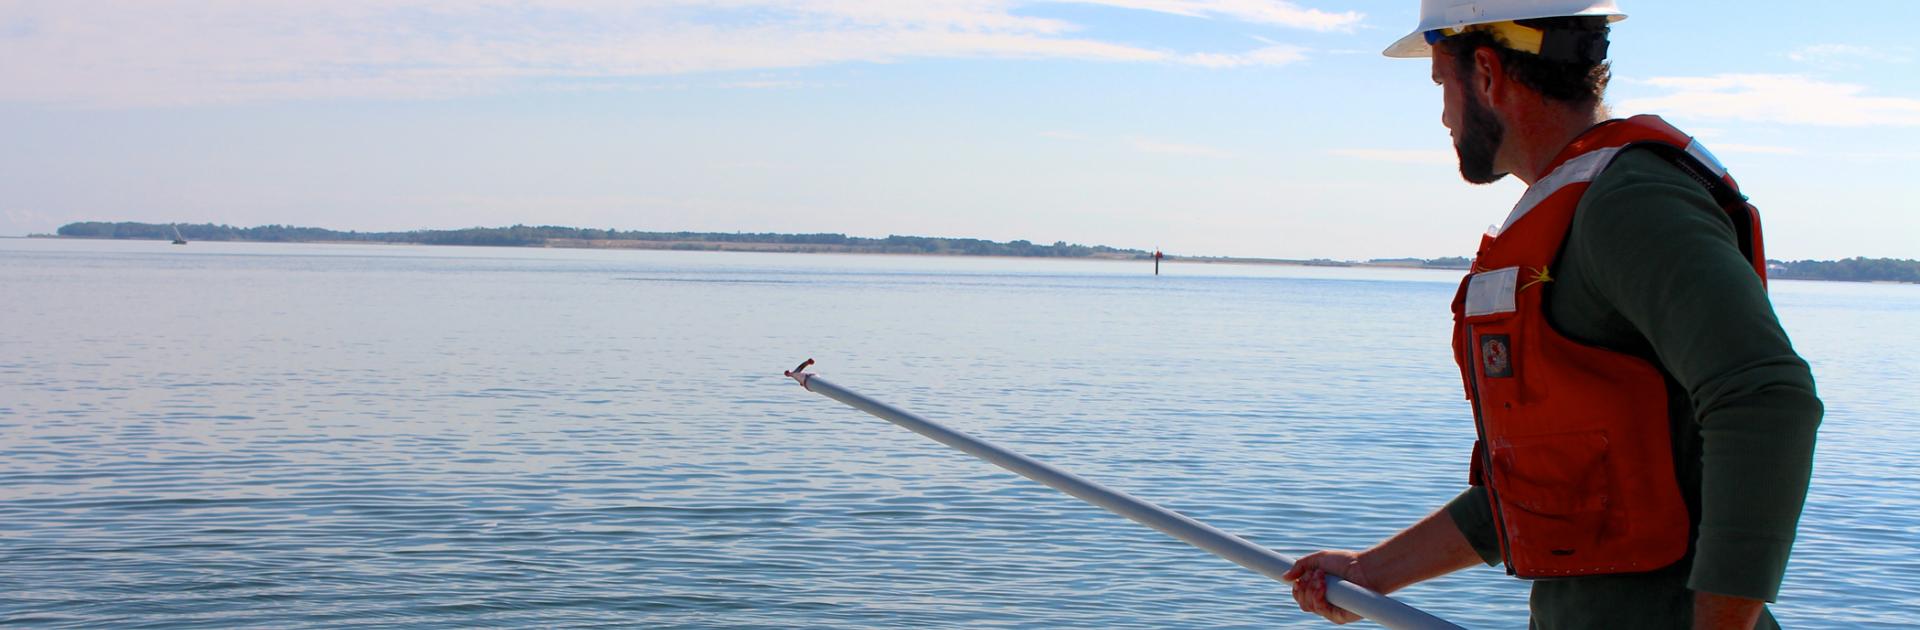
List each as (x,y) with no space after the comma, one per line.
(1554,491)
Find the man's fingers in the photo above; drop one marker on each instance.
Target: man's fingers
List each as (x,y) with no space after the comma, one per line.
(1309,577)
(1326,608)
(1334,613)
(1317,593)
(1305,596)
(1301,566)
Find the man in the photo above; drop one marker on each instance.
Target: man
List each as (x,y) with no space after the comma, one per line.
(1646,430)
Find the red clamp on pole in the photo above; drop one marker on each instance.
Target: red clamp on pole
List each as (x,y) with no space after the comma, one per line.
(798,375)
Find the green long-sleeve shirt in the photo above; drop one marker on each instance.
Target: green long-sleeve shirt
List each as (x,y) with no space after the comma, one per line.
(1651,267)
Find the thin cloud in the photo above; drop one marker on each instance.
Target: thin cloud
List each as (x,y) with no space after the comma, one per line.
(1751,149)
(1274,12)
(181,52)
(1269,56)
(1438,157)
(1145,145)
(24,220)
(771,84)
(1138,144)
(1878,157)
(1777,99)
(1831,53)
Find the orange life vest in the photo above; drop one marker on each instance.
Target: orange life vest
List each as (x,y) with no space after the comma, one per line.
(1575,449)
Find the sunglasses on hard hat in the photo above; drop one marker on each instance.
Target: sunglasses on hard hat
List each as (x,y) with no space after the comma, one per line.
(1522,38)
(1583,46)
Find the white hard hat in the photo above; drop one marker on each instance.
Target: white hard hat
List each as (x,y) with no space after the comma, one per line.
(1441,14)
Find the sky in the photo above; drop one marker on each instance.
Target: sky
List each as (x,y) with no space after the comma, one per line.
(1256,128)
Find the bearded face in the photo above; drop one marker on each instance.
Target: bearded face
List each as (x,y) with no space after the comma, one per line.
(1479,139)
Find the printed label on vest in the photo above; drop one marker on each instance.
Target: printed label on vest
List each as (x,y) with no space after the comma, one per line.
(1496,356)
(1492,292)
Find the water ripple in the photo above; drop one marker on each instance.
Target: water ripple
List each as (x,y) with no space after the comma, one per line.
(320,441)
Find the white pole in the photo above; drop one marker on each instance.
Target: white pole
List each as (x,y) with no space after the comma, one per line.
(1374,606)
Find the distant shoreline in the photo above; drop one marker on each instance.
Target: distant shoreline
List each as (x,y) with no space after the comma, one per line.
(590,238)
(769,248)
(1847,270)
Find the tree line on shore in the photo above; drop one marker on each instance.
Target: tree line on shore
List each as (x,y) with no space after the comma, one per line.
(1850,269)
(533,236)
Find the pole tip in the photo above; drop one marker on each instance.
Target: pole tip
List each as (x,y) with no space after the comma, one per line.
(798,374)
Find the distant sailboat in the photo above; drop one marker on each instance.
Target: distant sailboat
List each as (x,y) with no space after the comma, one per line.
(177,238)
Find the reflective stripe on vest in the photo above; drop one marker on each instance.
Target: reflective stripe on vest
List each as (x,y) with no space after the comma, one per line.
(1575,445)
(1580,170)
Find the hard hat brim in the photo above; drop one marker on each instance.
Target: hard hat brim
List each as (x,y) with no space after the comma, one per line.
(1414,45)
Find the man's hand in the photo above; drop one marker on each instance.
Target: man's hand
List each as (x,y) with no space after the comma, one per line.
(1430,548)
(1309,577)
(1710,611)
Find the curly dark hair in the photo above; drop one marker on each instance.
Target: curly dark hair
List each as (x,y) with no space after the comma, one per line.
(1577,78)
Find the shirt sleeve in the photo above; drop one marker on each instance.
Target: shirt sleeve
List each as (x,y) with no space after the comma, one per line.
(1474,518)
(1663,255)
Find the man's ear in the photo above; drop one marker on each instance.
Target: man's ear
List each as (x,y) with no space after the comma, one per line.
(1489,75)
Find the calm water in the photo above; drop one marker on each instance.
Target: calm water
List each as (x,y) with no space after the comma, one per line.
(329,436)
